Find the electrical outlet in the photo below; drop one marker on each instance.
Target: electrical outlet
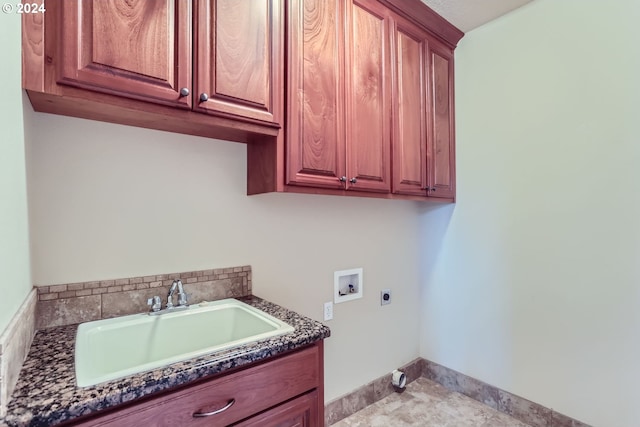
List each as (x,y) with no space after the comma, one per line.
(385,296)
(328,310)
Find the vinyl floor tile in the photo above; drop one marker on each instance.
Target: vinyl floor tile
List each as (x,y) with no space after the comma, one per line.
(428,404)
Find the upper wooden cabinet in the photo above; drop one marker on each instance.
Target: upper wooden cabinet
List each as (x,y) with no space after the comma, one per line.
(140,50)
(315,94)
(235,57)
(367,108)
(410,118)
(368,97)
(441,151)
(337,79)
(423,136)
(369,104)
(220,59)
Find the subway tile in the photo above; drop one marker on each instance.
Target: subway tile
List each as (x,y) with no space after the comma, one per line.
(47,297)
(75,286)
(58,288)
(67,294)
(91,285)
(120,282)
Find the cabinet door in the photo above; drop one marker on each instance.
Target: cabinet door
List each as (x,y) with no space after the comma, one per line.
(315,130)
(299,412)
(137,49)
(441,149)
(409,145)
(237,65)
(368,97)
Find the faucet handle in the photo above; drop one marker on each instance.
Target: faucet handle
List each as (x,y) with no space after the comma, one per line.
(155,303)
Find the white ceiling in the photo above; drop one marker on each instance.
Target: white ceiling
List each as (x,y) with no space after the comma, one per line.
(470,14)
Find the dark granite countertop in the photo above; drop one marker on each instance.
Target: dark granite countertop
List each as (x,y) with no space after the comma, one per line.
(46,393)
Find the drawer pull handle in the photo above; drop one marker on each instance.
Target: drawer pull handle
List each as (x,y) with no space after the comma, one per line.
(217,411)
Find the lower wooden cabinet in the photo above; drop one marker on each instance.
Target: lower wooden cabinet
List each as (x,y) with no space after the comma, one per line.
(285,391)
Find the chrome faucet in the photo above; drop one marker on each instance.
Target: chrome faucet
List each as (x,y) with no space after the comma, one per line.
(182,297)
(155,303)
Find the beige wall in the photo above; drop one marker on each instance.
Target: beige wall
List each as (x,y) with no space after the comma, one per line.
(532,281)
(15,280)
(111,201)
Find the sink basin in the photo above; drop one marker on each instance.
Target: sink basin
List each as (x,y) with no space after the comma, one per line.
(114,348)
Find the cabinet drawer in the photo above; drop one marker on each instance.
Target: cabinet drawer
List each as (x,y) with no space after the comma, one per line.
(252,390)
(299,412)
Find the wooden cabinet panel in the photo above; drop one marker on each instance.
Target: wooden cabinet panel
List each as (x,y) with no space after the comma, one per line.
(410,113)
(236,49)
(368,95)
(441,154)
(315,128)
(137,49)
(300,412)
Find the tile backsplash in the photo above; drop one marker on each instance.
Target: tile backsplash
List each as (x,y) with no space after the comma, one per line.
(14,346)
(65,304)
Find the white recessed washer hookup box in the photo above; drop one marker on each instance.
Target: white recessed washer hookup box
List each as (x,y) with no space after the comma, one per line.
(347,285)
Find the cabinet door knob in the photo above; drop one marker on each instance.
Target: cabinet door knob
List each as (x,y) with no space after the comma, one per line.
(429,188)
(184,92)
(203,97)
(353,180)
(342,179)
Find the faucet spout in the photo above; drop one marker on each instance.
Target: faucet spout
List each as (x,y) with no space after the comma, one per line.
(182,296)
(172,290)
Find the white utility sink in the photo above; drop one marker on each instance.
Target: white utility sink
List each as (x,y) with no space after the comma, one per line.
(114,348)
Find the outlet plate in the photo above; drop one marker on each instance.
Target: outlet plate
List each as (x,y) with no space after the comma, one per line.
(385,296)
(328,310)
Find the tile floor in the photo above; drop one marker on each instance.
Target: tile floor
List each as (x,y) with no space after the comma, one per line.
(428,404)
